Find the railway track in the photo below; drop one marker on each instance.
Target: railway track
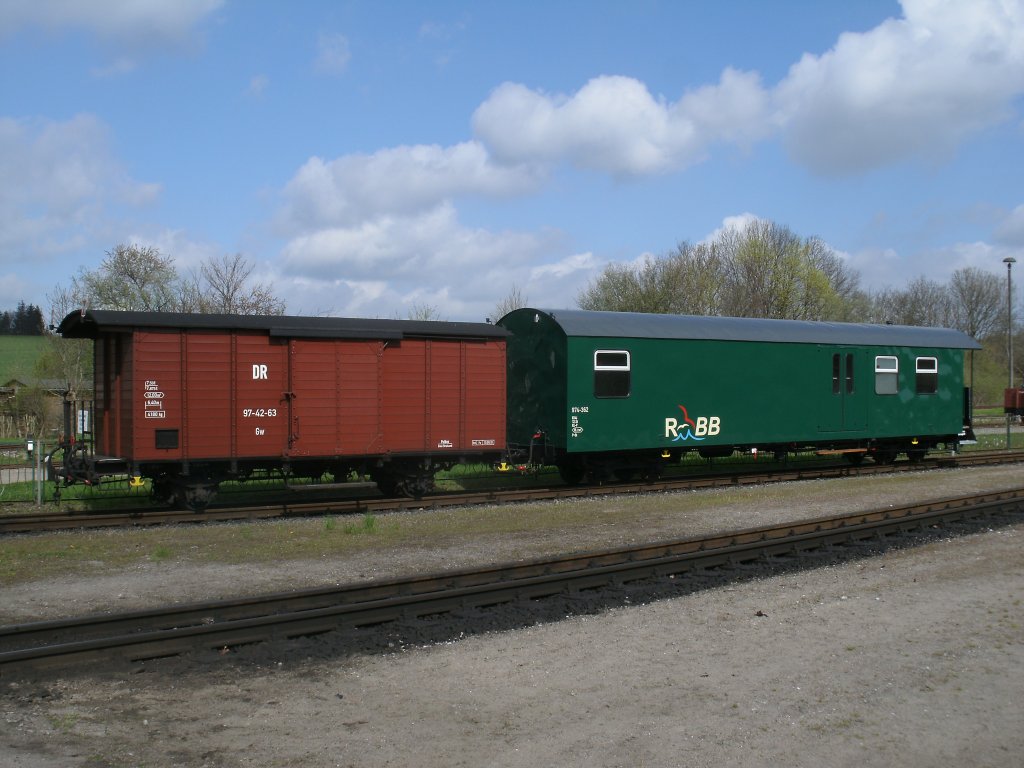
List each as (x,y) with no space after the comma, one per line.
(51,521)
(223,626)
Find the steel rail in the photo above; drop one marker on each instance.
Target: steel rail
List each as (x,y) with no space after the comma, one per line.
(30,523)
(223,624)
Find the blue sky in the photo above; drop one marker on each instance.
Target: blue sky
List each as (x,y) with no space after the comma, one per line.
(372,156)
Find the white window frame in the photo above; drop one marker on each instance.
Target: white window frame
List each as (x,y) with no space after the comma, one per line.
(600,367)
(933,371)
(887,371)
(613,368)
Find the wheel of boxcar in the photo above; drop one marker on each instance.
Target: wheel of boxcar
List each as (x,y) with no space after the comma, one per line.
(572,472)
(410,482)
(916,455)
(623,475)
(165,491)
(197,496)
(856,459)
(418,485)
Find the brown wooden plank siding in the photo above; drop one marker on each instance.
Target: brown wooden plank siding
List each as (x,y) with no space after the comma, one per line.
(208,417)
(404,397)
(445,395)
(314,370)
(358,424)
(484,403)
(193,394)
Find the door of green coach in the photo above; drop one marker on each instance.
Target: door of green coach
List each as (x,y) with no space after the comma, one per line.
(844,383)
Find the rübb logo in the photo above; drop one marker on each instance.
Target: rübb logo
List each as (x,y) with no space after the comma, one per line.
(700,428)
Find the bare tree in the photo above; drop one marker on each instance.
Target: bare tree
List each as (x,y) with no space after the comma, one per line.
(976,302)
(63,301)
(514,299)
(422,312)
(227,288)
(924,302)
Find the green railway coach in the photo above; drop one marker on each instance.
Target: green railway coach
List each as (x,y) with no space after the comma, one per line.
(614,393)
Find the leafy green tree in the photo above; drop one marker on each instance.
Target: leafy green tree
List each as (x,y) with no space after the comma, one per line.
(761,270)
(646,287)
(131,277)
(685,281)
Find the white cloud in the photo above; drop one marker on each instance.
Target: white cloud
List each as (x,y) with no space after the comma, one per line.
(129,31)
(137,23)
(381,267)
(390,217)
(882,268)
(383,228)
(403,181)
(188,253)
(575,265)
(738,222)
(615,125)
(1010,231)
(58,185)
(332,54)
(419,247)
(910,87)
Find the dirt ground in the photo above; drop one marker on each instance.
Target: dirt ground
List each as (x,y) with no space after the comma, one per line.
(914,657)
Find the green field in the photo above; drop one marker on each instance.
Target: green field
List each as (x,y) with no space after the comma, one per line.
(18,356)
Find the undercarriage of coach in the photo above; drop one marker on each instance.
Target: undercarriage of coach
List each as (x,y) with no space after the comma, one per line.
(649,465)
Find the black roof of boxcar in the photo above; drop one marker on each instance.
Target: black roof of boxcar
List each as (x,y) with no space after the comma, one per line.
(576,322)
(89,324)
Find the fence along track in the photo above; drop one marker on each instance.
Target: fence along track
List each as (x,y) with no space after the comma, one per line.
(142,635)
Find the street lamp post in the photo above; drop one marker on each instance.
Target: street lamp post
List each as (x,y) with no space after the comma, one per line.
(1009,261)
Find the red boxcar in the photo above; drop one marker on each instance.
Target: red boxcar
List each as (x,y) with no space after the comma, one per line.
(190,400)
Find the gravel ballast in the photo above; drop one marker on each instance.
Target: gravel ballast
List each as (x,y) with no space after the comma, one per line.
(914,657)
